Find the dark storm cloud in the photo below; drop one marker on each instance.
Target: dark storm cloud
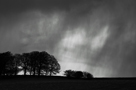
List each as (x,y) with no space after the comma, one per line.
(96,35)
(22,5)
(15,12)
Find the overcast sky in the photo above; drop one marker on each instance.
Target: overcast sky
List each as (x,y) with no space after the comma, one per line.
(98,36)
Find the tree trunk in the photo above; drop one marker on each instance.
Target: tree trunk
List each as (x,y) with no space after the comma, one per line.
(25,71)
(15,71)
(4,71)
(34,71)
(30,71)
(50,73)
(46,73)
(39,71)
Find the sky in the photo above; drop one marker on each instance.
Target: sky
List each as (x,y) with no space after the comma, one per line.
(98,36)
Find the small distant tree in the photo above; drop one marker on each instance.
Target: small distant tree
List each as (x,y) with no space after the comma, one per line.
(69,73)
(78,74)
(87,75)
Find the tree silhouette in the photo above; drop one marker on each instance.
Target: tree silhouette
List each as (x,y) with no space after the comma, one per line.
(69,73)
(78,74)
(54,66)
(43,63)
(25,62)
(87,75)
(9,69)
(35,62)
(5,59)
(34,57)
(2,63)
(17,63)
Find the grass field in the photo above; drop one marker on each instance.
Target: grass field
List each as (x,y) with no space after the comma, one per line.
(61,83)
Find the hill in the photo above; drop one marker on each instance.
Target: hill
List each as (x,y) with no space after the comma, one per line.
(63,83)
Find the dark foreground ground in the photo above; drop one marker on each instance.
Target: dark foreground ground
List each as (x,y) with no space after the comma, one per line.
(61,83)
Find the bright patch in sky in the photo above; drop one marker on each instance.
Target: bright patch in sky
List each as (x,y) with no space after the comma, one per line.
(99,40)
(71,50)
(73,38)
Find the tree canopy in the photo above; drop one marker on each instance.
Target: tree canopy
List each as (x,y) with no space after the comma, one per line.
(32,63)
(78,74)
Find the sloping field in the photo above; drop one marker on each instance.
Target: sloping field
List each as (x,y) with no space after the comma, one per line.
(60,83)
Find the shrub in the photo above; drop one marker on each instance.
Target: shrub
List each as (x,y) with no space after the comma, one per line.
(78,74)
(87,75)
(69,73)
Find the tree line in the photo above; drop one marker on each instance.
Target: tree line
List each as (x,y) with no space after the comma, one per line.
(32,63)
(35,63)
(78,74)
